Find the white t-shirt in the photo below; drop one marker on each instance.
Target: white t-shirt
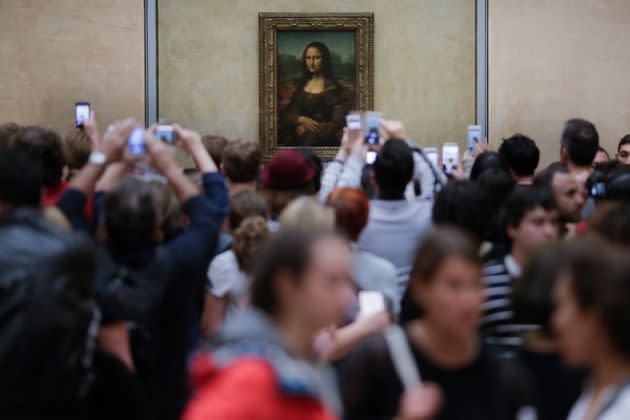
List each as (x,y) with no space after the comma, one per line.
(225,279)
(616,404)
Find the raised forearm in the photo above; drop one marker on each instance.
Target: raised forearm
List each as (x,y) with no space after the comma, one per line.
(184,188)
(86,178)
(202,159)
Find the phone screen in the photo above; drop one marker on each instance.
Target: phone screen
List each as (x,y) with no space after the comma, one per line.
(450,156)
(474,135)
(81,113)
(370,157)
(432,155)
(372,126)
(135,142)
(371,302)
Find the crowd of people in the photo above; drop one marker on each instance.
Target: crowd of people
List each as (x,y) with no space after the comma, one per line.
(292,288)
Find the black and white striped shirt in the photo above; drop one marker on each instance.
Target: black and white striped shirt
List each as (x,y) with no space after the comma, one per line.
(497,323)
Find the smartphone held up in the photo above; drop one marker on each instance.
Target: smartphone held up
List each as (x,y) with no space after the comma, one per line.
(450,157)
(371,302)
(136,146)
(372,125)
(368,123)
(81,113)
(474,136)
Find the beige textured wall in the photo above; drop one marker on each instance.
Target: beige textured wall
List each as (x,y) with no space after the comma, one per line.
(553,60)
(424,63)
(56,52)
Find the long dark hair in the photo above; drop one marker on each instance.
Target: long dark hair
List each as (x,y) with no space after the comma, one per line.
(326,62)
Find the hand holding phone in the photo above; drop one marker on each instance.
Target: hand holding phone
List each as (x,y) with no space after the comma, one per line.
(81,113)
(371,302)
(166,134)
(394,129)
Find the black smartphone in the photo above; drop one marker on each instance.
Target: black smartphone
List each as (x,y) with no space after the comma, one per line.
(81,113)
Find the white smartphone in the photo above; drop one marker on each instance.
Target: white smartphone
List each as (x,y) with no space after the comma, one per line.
(372,125)
(371,302)
(81,113)
(474,136)
(450,156)
(165,133)
(432,155)
(353,121)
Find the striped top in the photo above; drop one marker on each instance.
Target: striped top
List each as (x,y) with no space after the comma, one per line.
(497,324)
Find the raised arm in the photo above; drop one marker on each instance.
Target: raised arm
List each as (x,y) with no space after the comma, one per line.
(206,212)
(104,152)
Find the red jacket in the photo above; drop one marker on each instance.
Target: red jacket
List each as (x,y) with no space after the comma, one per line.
(53,194)
(246,389)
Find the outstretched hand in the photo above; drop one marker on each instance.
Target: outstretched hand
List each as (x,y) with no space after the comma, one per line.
(392,129)
(480,147)
(190,141)
(91,130)
(187,139)
(161,156)
(113,144)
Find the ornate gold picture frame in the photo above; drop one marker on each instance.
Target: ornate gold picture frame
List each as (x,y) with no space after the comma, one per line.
(313,69)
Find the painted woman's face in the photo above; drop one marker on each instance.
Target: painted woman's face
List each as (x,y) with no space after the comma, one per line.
(313,60)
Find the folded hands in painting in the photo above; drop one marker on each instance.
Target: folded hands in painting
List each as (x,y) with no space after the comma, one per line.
(306,124)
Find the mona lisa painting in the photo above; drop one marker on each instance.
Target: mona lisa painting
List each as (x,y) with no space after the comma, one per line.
(314,69)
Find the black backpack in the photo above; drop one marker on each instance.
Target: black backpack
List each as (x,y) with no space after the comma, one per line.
(134,295)
(48,321)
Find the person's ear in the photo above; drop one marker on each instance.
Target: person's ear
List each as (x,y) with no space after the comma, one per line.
(564,155)
(5,207)
(418,290)
(513,174)
(284,285)
(222,169)
(101,231)
(511,232)
(158,233)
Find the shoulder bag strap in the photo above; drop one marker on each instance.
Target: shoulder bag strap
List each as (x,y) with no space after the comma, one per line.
(402,357)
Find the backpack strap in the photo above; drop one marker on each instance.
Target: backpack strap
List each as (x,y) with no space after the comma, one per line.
(402,357)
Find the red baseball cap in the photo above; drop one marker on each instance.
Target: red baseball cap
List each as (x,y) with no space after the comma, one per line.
(288,169)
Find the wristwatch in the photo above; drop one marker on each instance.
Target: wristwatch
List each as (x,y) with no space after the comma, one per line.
(97,158)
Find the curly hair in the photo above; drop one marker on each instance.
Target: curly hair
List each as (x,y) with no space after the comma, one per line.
(248,238)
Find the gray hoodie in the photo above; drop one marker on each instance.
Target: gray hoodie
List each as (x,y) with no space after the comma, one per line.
(394,231)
